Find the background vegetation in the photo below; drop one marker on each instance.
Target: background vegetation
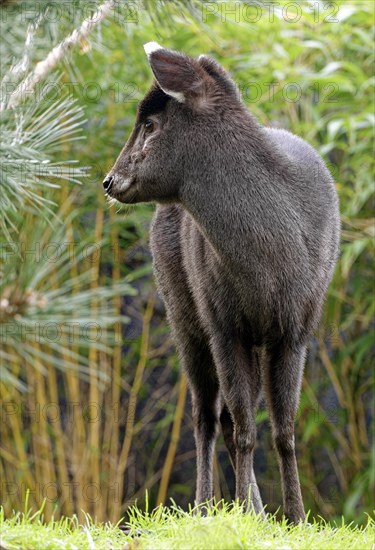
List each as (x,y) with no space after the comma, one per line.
(94,407)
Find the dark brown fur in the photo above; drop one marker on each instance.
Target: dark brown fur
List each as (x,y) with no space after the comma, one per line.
(244,243)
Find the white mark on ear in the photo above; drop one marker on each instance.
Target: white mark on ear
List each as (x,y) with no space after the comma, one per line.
(151,47)
(176,95)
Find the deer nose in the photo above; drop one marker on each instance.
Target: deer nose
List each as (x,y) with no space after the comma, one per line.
(107,183)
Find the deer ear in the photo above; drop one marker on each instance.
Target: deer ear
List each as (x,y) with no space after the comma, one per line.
(178,75)
(219,74)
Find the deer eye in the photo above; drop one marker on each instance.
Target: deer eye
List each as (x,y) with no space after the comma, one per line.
(149,125)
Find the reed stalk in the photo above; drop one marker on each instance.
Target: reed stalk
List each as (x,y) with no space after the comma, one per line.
(124,454)
(114,504)
(175,436)
(94,393)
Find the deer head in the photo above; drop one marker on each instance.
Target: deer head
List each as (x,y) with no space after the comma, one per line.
(178,127)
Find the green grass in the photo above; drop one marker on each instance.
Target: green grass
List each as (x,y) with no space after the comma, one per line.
(171,528)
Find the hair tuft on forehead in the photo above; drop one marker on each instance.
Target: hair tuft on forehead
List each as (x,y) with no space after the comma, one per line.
(154,102)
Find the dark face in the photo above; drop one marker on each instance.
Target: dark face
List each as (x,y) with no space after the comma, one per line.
(147,167)
(172,130)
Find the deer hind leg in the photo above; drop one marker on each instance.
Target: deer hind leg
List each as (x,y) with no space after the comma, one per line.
(240,385)
(227,427)
(205,399)
(283,371)
(196,359)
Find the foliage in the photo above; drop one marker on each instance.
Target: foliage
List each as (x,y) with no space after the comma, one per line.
(29,137)
(41,313)
(311,75)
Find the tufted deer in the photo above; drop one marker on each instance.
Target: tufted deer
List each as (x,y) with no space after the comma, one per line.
(244,243)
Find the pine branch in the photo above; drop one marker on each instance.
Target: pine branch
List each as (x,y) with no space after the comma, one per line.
(57,53)
(23,63)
